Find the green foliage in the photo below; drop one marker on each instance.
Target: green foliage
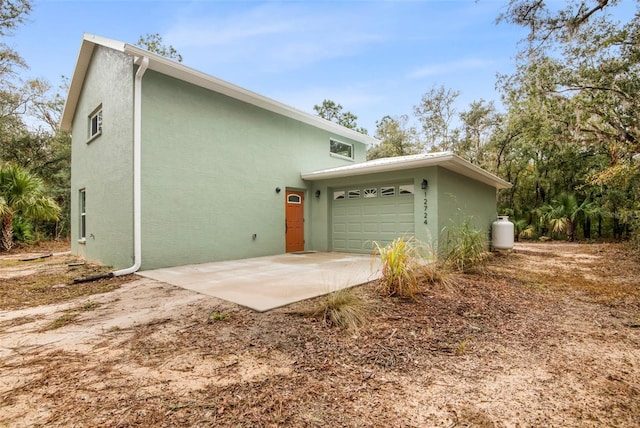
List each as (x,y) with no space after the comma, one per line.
(22,193)
(217,316)
(463,247)
(12,14)
(331,111)
(23,230)
(573,120)
(397,138)
(154,43)
(402,263)
(522,229)
(342,308)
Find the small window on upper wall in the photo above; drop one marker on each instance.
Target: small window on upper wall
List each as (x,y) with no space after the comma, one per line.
(95,123)
(338,148)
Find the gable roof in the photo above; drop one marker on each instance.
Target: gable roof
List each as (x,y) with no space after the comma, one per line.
(446,160)
(179,71)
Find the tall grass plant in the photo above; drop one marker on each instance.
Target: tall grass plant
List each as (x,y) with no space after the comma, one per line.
(463,247)
(403,265)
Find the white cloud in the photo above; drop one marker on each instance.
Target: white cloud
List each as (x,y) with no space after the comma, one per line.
(272,36)
(449,67)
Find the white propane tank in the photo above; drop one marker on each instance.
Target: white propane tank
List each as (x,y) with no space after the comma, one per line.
(502,233)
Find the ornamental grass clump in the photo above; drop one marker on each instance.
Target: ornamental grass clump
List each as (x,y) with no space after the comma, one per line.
(342,308)
(403,263)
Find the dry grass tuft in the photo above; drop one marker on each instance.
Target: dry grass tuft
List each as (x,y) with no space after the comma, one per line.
(61,321)
(49,281)
(342,308)
(71,315)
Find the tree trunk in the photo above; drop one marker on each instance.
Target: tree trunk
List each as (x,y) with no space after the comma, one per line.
(599,226)
(570,231)
(6,235)
(587,228)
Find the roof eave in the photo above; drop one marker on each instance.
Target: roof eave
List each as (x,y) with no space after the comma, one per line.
(372,169)
(89,41)
(448,161)
(198,78)
(182,72)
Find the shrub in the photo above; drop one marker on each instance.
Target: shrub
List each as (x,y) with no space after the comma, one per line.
(342,308)
(463,247)
(22,230)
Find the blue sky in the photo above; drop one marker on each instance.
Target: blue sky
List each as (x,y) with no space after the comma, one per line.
(373,57)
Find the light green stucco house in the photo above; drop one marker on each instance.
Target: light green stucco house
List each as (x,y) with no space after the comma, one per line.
(171,166)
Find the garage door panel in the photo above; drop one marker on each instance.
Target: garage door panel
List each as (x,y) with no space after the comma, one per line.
(354,211)
(339,211)
(388,227)
(390,209)
(370,209)
(357,223)
(405,218)
(355,227)
(339,227)
(340,244)
(355,245)
(371,227)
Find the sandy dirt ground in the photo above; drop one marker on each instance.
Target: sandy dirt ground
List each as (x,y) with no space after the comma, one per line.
(547,335)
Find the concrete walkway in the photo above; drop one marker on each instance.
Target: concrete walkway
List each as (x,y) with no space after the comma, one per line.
(266,283)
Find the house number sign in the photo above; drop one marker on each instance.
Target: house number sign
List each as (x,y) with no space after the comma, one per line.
(426,206)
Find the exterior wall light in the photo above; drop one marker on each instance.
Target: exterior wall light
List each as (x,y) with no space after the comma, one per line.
(278,190)
(424,184)
(317,193)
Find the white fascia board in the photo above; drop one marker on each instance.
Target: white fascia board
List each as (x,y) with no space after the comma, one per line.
(446,160)
(198,78)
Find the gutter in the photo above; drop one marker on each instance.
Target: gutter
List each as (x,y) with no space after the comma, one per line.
(143,63)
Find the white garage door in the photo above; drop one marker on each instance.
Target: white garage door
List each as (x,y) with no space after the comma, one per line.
(362,215)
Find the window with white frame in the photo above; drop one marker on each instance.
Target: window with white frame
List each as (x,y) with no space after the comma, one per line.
(371,192)
(406,189)
(82,236)
(338,148)
(354,194)
(294,199)
(95,123)
(387,191)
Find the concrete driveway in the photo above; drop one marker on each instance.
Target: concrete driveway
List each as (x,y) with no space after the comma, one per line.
(266,283)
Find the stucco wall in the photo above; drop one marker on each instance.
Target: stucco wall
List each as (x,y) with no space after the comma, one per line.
(103,166)
(210,167)
(461,198)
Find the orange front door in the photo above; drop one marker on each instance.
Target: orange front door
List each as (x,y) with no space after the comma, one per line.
(294,221)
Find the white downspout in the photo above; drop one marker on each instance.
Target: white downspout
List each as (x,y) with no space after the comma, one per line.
(137,166)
